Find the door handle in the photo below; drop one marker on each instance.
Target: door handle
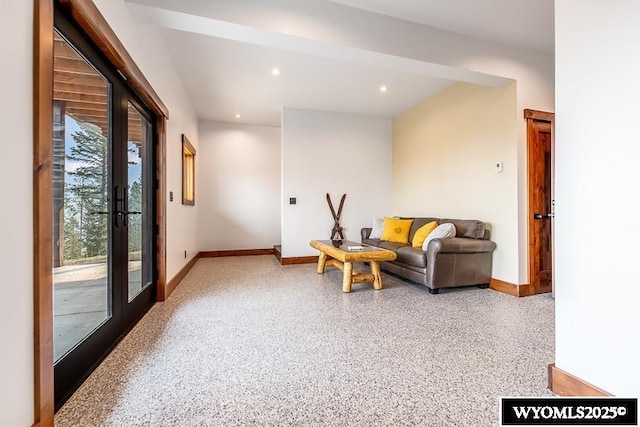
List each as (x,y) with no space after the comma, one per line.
(542,216)
(125,216)
(125,206)
(116,208)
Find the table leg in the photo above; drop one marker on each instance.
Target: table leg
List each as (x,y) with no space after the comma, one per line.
(377,276)
(346,278)
(321,261)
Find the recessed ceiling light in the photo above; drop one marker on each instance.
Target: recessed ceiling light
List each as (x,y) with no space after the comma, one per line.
(275,71)
(384,89)
(238,116)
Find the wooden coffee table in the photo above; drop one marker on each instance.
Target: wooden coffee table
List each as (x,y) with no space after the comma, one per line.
(337,253)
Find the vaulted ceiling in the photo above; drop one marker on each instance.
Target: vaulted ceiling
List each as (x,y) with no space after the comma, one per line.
(334,55)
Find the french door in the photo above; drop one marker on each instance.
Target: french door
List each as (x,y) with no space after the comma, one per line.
(103,209)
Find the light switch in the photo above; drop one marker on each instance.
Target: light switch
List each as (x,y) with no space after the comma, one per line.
(498,166)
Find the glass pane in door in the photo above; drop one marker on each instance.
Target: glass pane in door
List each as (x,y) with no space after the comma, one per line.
(81,215)
(138,202)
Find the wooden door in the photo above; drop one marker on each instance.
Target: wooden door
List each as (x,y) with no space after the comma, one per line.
(540,171)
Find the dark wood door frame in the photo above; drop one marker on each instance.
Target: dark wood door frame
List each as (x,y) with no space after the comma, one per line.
(88,18)
(532,116)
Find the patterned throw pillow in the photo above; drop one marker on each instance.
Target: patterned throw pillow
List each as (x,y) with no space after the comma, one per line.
(396,230)
(443,231)
(376,230)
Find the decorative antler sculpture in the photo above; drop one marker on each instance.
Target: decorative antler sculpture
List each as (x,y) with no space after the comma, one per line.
(336,230)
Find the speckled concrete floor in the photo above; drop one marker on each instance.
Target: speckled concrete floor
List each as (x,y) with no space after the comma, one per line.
(245,341)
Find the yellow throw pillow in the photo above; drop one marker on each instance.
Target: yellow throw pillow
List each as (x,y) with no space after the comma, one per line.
(422,233)
(396,230)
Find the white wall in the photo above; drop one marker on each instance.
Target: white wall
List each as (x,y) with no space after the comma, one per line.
(444,155)
(329,24)
(597,177)
(239,190)
(16,219)
(144,44)
(336,154)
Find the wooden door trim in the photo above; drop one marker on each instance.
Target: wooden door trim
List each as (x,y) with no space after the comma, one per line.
(161,208)
(542,116)
(42,211)
(523,290)
(86,15)
(532,116)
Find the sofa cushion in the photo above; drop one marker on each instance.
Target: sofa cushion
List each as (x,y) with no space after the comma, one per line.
(470,228)
(412,256)
(396,230)
(372,242)
(446,230)
(392,246)
(421,234)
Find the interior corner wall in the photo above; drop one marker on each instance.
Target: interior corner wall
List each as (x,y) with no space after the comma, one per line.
(444,155)
(144,44)
(16,224)
(336,154)
(239,186)
(597,176)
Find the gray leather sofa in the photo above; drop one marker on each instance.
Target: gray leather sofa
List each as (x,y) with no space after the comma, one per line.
(463,260)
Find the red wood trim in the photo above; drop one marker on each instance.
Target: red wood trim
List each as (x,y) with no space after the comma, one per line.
(161,207)
(530,199)
(526,290)
(42,209)
(531,190)
(88,17)
(539,115)
(173,283)
(188,150)
(299,260)
(504,287)
(510,288)
(564,384)
(236,252)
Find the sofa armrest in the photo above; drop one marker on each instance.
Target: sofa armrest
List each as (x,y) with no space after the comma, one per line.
(460,245)
(365,233)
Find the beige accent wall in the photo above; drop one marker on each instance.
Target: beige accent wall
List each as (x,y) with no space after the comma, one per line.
(445,152)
